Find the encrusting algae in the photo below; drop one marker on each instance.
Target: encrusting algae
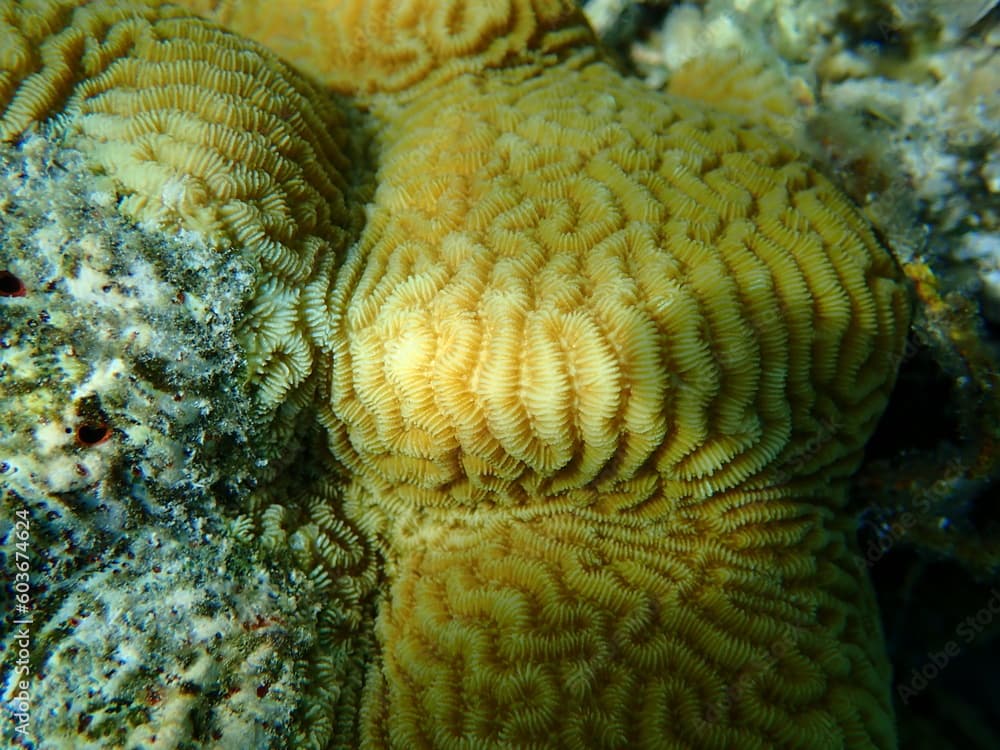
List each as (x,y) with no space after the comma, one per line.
(593,364)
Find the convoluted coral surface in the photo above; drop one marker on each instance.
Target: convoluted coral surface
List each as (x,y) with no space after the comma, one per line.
(602,362)
(594,369)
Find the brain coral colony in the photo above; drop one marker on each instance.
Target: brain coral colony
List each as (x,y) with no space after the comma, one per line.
(453,392)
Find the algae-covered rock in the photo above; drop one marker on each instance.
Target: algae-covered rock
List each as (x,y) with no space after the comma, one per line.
(147,617)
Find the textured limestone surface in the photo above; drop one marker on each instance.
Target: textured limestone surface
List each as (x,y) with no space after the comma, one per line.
(120,395)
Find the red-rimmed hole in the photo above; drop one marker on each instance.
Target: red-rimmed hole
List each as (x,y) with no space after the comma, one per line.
(89,435)
(11,285)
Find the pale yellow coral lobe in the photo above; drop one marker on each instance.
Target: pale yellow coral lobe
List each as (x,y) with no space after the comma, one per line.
(600,363)
(388,45)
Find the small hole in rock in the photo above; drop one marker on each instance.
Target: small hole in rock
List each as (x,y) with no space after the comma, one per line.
(92,434)
(11,285)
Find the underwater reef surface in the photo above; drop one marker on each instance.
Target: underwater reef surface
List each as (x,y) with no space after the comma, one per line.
(125,427)
(190,564)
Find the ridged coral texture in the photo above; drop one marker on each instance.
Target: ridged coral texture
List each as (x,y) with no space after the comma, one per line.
(598,363)
(602,360)
(366,46)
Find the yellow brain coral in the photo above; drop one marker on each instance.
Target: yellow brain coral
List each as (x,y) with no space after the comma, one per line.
(602,362)
(599,362)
